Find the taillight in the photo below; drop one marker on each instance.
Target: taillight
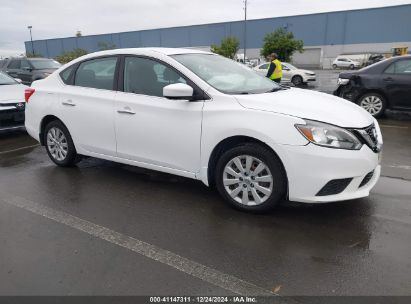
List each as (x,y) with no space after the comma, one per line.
(27,93)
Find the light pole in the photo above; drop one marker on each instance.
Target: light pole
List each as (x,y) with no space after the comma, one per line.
(31,39)
(245,29)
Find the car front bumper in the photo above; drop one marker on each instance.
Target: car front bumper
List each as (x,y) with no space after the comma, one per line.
(311,169)
(11,119)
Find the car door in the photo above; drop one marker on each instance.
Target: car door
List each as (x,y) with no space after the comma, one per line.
(397,83)
(151,129)
(13,68)
(287,74)
(86,106)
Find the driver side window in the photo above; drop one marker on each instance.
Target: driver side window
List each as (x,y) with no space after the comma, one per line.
(148,77)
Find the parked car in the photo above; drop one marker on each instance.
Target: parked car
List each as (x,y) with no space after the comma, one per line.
(345,63)
(290,73)
(11,103)
(206,117)
(383,85)
(30,69)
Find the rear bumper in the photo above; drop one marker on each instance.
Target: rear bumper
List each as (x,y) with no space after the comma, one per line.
(309,168)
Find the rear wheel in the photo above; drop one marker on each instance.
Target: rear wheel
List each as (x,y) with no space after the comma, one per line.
(373,103)
(251,178)
(352,67)
(297,80)
(59,144)
(334,66)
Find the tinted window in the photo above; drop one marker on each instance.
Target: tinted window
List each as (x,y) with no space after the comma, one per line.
(41,64)
(399,67)
(65,75)
(96,73)
(25,64)
(14,64)
(148,77)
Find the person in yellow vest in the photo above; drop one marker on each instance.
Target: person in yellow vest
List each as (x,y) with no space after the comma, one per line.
(275,71)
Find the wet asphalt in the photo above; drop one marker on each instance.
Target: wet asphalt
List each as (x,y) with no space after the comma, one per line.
(358,247)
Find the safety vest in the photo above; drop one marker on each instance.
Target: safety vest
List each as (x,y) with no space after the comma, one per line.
(278,72)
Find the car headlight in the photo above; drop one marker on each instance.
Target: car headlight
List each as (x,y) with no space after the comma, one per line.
(330,136)
(343,81)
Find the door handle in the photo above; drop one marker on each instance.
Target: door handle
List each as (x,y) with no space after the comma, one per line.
(68,103)
(126,110)
(388,79)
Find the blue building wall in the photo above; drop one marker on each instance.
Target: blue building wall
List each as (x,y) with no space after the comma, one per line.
(378,25)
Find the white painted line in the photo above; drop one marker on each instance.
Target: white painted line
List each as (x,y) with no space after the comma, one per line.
(396,127)
(212,276)
(19,149)
(399,167)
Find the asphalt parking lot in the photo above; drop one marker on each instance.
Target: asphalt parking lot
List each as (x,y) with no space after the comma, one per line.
(109,229)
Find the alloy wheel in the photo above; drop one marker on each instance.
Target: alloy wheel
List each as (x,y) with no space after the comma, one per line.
(372,104)
(57,144)
(248,180)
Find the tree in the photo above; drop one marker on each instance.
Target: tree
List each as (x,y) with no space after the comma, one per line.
(78,34)
(103,46)
(229,47)
(283,43)
(70,55)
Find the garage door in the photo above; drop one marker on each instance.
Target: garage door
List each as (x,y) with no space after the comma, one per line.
(309,58)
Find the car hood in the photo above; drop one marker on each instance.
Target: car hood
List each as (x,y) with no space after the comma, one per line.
(12,93)
(310,105)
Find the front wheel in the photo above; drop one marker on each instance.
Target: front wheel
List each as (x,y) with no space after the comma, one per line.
(297,80)
(352,67)
(251,178)
(59,145)
(334,66)
(373,103)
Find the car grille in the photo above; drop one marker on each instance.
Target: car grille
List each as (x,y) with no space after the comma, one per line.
(369,136)
(334,186)
(12,117)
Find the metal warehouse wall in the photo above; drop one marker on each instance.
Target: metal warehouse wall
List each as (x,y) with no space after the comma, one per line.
(378,25)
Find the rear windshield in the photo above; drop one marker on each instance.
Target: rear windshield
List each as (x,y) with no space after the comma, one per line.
(40,64)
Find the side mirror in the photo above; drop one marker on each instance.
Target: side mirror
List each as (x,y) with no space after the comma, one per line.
(178,91)
(18,80)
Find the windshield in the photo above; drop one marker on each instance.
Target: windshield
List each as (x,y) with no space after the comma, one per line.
(6,79)
(290,66)
(41,64)
(226,75)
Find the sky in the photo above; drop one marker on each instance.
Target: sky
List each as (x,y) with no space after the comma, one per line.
(56,18)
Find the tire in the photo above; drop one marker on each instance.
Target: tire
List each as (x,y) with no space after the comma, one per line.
(373,103)
(351,67)
(297,80)
(59,144)
(272,175)
(334,66)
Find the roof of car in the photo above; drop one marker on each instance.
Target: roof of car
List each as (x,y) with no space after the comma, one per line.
(145,50)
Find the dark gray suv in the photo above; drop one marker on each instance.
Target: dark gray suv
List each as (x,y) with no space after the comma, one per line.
(29,69)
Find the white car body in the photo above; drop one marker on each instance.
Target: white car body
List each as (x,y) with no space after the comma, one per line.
(11,104)
(179,136)
(344,62)
(289,71)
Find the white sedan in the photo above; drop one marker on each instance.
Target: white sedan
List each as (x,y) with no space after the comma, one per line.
(290,73)
(202,116)
(11,103)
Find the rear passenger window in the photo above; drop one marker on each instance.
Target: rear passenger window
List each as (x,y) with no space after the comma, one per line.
(399,67)
(65,75)
(96,73)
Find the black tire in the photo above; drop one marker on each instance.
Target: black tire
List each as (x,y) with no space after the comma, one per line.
(352,67)
(71,158)
(270,160)
(297,80)
(361,103)
(334,66)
